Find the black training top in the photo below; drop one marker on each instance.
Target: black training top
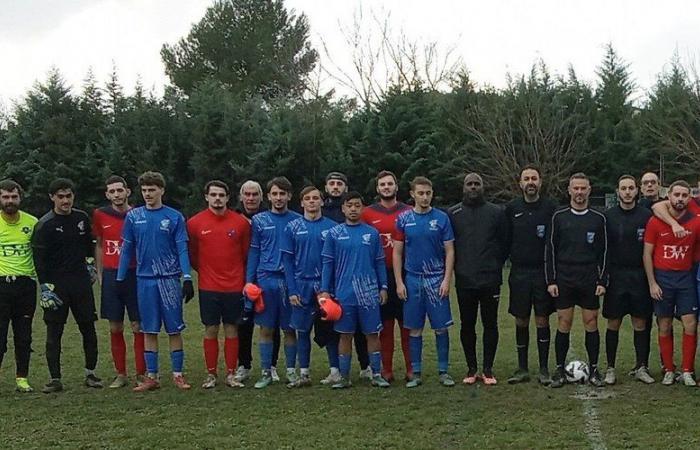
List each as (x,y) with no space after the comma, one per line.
(481,235)
(577,238)
(333,209)
(61,244)
(527,231)
(626,236)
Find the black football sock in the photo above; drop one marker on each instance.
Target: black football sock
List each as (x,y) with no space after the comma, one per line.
(641,347)
(522,336)
(561,348)
(543,346)
(593,348)
(611,339)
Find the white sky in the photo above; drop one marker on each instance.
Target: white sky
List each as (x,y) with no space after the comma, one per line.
(492,36)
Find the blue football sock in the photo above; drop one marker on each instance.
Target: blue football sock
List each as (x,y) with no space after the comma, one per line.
(442,342)
(290,355)
(344,361)
(265,355)
(304,349)
(375,362)
(332,351)
(151,361)
(177,360)
(415,348)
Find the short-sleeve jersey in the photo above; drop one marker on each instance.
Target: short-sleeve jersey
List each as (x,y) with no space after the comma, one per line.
(424,236)
(304,239)
(672,253)
(16,247)
(384,220)
(107,225)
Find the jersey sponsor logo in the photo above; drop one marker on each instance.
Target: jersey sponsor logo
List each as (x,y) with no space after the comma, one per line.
(112,248)
(366,238)
(516,215)
(206,231)
(165,225)
(540,231)
(301,232)
(15,250)
(272,227)
(387,241)
(676,252)
(433,225)
(590,237)
(640,234)
(140,221)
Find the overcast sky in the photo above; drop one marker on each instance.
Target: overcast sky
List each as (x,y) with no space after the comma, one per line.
(492,37)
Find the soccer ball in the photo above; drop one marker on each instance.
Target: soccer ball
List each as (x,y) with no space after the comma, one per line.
(577,372)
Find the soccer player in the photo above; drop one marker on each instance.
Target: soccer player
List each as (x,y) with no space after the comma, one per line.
(627,292)
(107,224)
(668,262)
(650,190)
(157,235)
(219,240)
(63,256)
(528,218)
(17,285)
(576,263)
(301,253)
(481,239)
(382,216)
(355,273)
(250,203)
(265,269)
(424,235)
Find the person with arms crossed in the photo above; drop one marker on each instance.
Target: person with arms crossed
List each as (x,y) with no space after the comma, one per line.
(17,285)
(219,241)
(668,262)
(157,235)
(63,256)
(355,274)
(107,224)
(576,263)
(424,248)
(528,218)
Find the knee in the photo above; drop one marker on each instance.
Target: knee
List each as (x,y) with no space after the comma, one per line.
(87,329)
(135,327)
(541,321)
(522,322)
(116,327)
(564,324)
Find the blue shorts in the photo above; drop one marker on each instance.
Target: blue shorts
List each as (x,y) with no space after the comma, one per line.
(278,311)
(679,295)
(303,316)
(220,307)
(116,297)
(160,302)
(367,318)
(423,298)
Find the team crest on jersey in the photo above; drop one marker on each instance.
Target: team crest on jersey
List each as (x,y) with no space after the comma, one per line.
(324,233)
(366,238)
(26,230)
(165,224)
(590,237)
(540,231)
(81,225)
(231,233)
(640,234)
(433,225)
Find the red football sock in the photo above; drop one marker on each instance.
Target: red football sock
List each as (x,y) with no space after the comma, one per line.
(231,354)
(666,350)
(404,348)
(118,351)
(690,342)
(139,360)
(386,340)
(211,354)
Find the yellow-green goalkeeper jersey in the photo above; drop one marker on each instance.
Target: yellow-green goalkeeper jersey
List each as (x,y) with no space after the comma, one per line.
(16,247)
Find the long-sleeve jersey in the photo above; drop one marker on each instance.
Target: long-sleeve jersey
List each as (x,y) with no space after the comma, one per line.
(61,243)
(219,249)
(384,220)
(353,264)
(333,209)
(265,244)
(626,236)
(301,248)
(424,236)
(527,231)
(481,237)
(159,239)
(577,238)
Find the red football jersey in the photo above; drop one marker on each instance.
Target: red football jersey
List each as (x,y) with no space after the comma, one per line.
(694,205)
(219,250)
(107,224)
(670,252)
(384,220)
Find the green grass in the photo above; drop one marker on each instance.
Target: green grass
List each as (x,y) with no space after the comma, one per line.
(523,416)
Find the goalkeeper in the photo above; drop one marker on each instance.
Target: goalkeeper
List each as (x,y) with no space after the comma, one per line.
(63,255)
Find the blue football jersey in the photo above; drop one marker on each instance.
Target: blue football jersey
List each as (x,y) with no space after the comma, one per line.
(303,239)
(267,236)
(424,236)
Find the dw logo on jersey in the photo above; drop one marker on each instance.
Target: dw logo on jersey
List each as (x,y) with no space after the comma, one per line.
(366,238)
(590,237)
(640,234)
(540,231)
(112,247)
(676,252)
(165,225)
(433,225)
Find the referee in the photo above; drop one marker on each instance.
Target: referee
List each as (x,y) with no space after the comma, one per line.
(576,272)
(17,286)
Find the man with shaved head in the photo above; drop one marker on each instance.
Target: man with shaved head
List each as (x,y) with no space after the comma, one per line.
(481,232)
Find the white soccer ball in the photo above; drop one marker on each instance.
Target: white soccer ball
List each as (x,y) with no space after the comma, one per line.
(577,372)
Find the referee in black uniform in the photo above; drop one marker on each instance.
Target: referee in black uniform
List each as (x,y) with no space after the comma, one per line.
(576,261)
(627,292)
(63,250)
(528,219)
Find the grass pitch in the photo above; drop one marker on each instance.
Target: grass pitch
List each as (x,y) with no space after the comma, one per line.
(628,415)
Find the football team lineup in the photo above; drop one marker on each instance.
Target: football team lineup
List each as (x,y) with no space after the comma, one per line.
(350,274)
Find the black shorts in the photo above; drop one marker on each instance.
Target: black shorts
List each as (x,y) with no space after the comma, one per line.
(17,297)
(393,308)
(76,293)
(528,290)
(577,285)
(627,294)
(218,307)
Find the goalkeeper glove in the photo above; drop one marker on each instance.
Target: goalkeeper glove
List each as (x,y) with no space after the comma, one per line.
(49,299)
(187,290)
